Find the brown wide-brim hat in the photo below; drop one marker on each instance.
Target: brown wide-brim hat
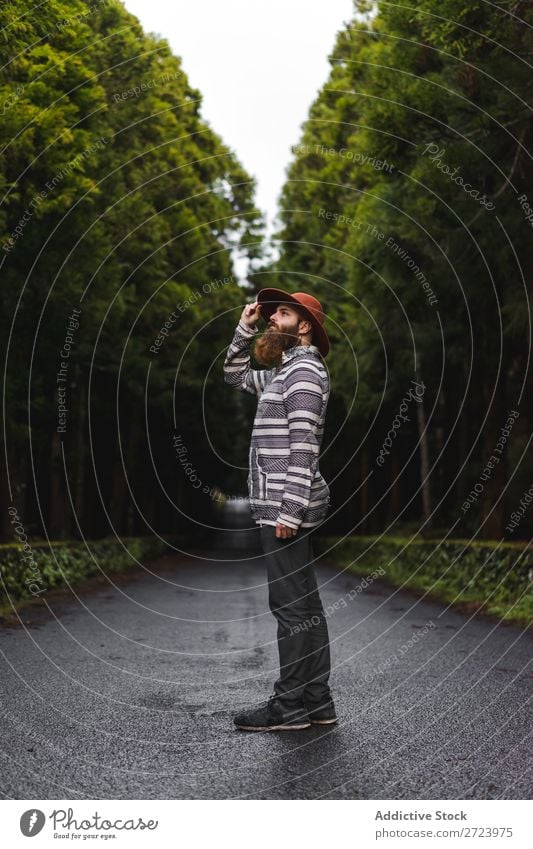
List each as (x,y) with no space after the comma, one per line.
(268,299)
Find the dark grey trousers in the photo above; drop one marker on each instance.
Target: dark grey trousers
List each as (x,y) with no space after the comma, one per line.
(303,640)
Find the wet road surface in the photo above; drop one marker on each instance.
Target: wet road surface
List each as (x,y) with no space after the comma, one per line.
(129,692)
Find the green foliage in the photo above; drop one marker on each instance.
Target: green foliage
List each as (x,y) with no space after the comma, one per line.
(117,198)
(490,577)
(61,564)
(456,76)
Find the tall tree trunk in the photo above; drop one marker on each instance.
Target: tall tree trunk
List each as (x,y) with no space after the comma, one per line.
(118,496)
(493,479)
(424,455)
(134,469)
(393,508)
(59,512)
(13,487)
(121,515)
(462,485)
(5,497)
(364,491)
(79,493)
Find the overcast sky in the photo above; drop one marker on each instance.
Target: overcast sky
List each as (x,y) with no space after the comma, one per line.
(258,66)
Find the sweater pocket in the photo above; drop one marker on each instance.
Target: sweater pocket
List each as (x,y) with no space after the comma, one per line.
(257,478)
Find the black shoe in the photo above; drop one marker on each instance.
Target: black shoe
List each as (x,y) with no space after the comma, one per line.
(322,714)
(272,717)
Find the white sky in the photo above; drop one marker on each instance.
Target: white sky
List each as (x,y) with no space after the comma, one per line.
(258,65)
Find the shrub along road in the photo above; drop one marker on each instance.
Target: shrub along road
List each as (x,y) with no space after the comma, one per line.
(129,692)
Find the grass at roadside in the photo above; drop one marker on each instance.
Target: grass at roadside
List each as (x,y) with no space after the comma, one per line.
(29,572)
(489,576)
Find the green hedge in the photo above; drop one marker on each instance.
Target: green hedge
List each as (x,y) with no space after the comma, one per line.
(495,577)
(29,571)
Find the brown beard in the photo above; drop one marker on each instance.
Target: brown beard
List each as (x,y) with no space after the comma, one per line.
(270,345)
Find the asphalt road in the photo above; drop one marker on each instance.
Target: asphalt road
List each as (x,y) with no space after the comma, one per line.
(128,692)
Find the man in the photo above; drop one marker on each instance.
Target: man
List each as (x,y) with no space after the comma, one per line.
(288,495)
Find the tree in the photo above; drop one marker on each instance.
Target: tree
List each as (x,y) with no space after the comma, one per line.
(400,209)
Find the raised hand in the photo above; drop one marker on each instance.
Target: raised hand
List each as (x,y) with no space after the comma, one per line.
(251,314)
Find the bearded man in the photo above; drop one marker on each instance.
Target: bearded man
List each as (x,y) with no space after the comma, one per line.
(288,496)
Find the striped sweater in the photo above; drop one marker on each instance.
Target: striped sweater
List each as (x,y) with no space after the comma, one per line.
(284,481)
